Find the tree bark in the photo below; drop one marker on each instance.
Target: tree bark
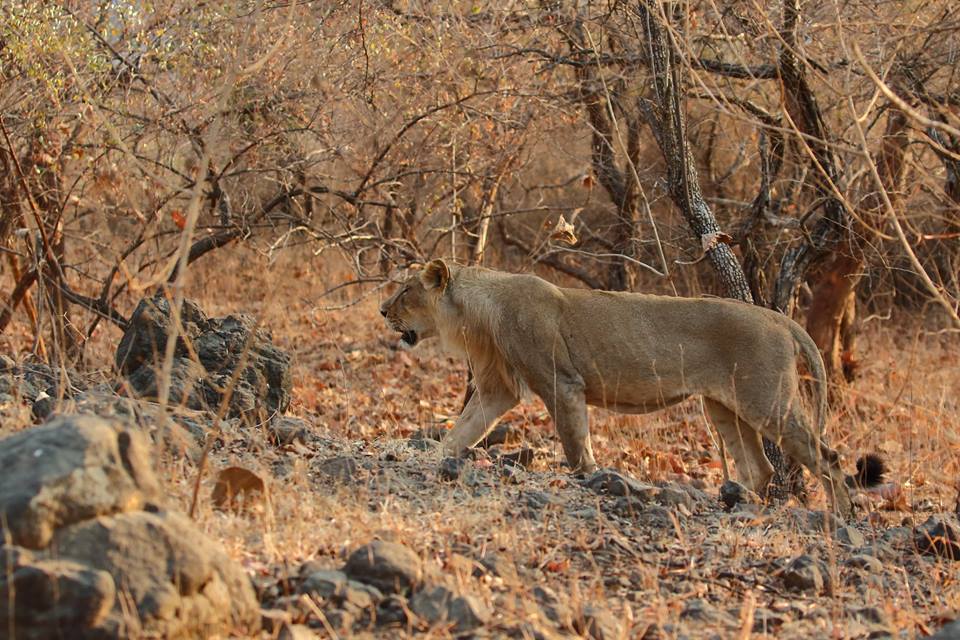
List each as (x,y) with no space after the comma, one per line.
(664,113)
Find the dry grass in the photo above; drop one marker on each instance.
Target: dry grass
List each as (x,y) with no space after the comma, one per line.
(362,397)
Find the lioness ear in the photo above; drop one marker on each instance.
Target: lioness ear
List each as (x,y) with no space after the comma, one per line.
(435,275)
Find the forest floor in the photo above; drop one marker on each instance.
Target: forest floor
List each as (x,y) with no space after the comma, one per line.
(539,552)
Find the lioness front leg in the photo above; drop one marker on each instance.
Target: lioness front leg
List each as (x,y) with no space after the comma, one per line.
(482,411)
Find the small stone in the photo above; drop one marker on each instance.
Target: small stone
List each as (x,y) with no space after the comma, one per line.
(866,563)
(272,620)
(949,631)
(616,484)
(702,611)
(43,406)
(499,565)
(600,624)
(285,430)
(850,536)
(434,433)
(324,584)
(803,574)
(898,537)
(388,566)
(673,496)
(340,468)
(869,615)
(733,493)
(500,435)
(295,632)
(451,468)
(767,621)
(392,610)
(551,606)
(467,612)
(423,444)
(431,604)
(936,537)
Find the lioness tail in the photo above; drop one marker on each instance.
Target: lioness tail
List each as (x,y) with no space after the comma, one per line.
(870,472)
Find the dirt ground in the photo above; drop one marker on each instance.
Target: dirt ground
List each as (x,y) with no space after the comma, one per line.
(647,551)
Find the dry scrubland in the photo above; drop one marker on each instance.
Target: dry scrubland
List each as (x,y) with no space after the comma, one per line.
(561,558)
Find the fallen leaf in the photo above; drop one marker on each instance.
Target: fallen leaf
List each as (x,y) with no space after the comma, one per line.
(178,219)
(563,232)
(238,488)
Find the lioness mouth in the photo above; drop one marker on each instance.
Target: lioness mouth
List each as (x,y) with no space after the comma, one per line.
(409,337)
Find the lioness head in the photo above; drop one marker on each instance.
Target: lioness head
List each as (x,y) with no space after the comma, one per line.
(412,310)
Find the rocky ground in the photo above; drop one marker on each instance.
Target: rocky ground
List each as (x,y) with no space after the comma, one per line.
(220,515)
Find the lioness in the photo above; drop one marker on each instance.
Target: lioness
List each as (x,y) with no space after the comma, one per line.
(628,352)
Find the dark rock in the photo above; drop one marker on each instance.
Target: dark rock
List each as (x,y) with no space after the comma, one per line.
(936,537)
(296,632)
(949,631)
(43,406)
(341,468)
(435,433)
(616,484)
(390,567)
(500,435)
(673,496)
(600,624)
(850,536)
(499,565)
(804,573)
(467,612)
(702,611)
(519,458)
(767,621)
(869,615)
(392,610)
(451,468)
(898,537)
(866,563)
(551,606)
(733,493)
(285,430)
(423,444)
(431,604)
(324,584)
(226,348)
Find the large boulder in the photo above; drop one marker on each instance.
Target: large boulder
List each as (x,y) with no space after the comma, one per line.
(90,552)
(208,355)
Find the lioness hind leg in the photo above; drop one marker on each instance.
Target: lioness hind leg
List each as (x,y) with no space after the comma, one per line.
(799,442)
(744,444)
(568,407)
(481,412)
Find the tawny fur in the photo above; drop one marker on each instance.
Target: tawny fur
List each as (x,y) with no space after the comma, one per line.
(627,352)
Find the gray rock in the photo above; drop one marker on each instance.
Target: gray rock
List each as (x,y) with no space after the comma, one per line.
(551,606)
(616,484)
(803,574)
(600,624)
(340,468)
(949,631)
(451,468)
(227,348)
(296,632)
(434,433)
(499,565)
(467,612)
(850,536)
(68,470)
(423,444)
(388,566)
(733,493)
(81,495)
(865,562)
(898,537)
(937,537)
(438,605)
(392,610)
(673,496)
(285,430)
(324,584)
(499,435)
(700,610)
